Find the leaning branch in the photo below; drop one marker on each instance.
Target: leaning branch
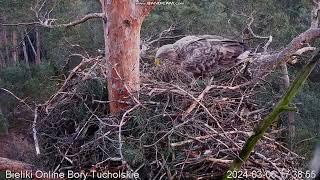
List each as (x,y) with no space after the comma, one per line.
(16,97)
(283,105)
(82,20)
(49,23)
(273,61)
(298,43)
(270,62)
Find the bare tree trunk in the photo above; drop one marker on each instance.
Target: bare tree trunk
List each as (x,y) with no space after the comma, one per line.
(32,47)
(286,84)
(281,106)
(122,24)
(14,48)
(24,47)
(291,128)
(37,58)
(5,44)
(2,60)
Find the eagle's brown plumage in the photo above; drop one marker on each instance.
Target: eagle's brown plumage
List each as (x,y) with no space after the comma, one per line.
(202,54)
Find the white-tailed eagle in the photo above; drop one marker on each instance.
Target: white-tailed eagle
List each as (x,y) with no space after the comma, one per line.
(200,55)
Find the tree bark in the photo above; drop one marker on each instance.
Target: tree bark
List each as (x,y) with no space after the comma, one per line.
(37,55)
(14,48)
(122,23)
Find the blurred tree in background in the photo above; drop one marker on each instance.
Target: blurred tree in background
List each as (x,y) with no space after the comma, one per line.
(281,19)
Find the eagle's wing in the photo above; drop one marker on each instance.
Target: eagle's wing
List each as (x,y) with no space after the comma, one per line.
(198,56)
(209,53)
(185,41)
(228,51)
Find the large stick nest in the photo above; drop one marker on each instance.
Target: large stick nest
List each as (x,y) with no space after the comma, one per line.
(179,127)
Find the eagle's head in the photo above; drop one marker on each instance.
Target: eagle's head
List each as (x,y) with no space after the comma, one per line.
(166,52)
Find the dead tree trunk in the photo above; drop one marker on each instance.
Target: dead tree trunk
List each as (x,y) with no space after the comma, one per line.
(14,48)
(5,45)
(24,48)
(37,55)
(122,24)
(286,84)
(31,45)
(2,60)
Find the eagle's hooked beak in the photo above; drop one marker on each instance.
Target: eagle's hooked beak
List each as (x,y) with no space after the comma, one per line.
(157,62)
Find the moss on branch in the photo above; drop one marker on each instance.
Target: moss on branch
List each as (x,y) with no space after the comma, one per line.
(283,105)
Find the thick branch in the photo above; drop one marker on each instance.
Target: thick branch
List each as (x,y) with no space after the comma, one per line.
(298,43)
(49,23)
(82,20)
(283,105)
(269,62)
